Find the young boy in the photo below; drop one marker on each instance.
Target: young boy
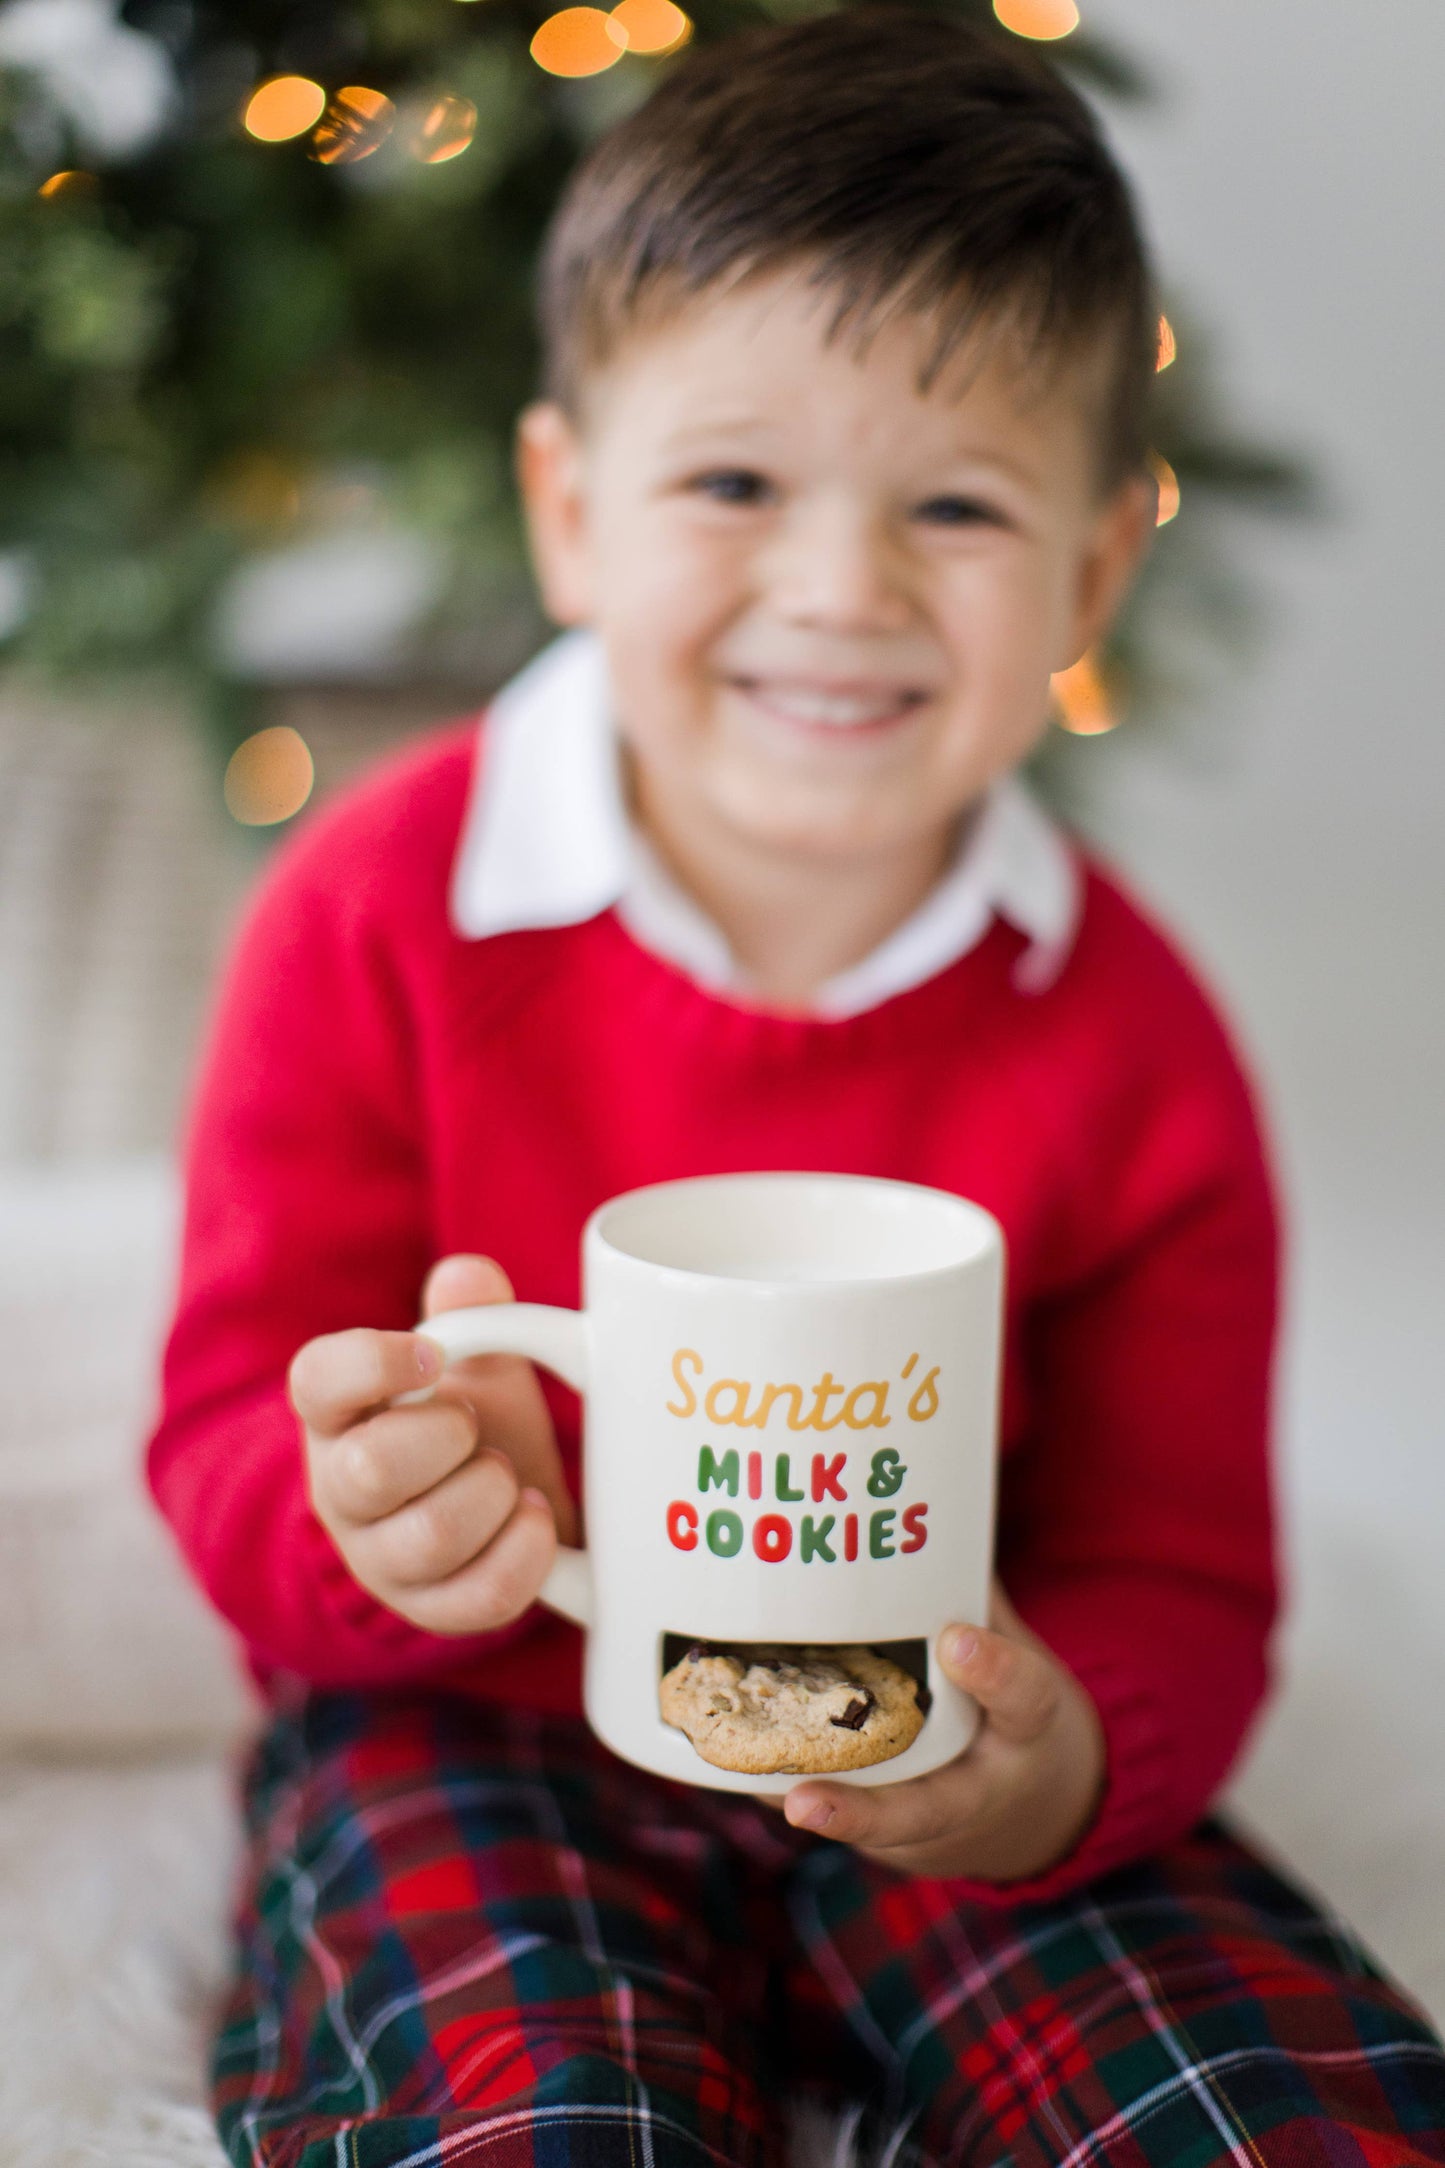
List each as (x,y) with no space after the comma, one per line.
(843,453)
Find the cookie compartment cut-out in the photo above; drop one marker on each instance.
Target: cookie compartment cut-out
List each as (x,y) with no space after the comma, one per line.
(770,1709)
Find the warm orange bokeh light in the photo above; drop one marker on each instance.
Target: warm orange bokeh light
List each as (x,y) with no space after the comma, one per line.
(1083,700)
(1169,492)
(1038,18)
(576,41)
(286,106)
(71,182)
(1168,344)
(356,123)
(650,26)
(269,777)
(445,130)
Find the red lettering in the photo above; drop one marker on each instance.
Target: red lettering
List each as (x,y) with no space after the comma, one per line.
(915,1535)
(772,1537)
(828,1477)
(850,1535)
(755,1475)
(682,1525)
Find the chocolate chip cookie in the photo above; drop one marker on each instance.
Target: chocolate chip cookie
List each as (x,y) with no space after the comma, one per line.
(792,1711)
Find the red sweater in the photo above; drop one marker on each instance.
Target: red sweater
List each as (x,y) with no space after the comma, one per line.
(378,1092)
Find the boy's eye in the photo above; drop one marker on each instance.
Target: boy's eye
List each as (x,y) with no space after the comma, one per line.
(955,511)
(731,485)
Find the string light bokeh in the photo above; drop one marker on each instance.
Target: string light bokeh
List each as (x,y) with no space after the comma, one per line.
(576,41)
(283,107)
(444,131)
(1082,702)
(585,40)
(357,121)
(1037,18)
(269,777)
(654,27)
(71,181)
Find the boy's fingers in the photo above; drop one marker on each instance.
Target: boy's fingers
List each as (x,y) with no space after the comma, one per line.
(379,1465)
(464,1282)
(500,1583)
(433,1537)
(504,1389)
(918,1811)
(1016,1683)
(472,1283)
(337,1379)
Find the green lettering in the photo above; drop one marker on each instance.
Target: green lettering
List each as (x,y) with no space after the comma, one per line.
(722,1474)
(885,1474)
(880,1534)
(813,1538)
(725,1533)
(784,1483)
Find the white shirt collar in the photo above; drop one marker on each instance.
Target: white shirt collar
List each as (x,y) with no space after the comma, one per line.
(548,841)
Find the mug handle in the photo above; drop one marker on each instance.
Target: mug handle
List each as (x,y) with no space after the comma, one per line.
(558,1340)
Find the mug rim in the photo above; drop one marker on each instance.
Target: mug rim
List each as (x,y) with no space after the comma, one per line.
(986,1229)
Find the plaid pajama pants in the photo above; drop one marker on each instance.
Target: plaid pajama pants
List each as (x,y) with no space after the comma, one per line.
(473,1935)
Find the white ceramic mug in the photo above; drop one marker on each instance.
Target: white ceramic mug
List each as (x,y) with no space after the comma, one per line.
(790,1385)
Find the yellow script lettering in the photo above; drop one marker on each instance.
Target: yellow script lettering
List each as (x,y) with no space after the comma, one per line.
(739,1403)
(772,1393)
(879,1419)
(925,1401)
(689,1397)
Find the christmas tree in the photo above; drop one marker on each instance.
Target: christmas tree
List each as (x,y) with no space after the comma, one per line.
(286,305)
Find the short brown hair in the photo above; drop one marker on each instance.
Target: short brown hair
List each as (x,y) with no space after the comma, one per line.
(918,161)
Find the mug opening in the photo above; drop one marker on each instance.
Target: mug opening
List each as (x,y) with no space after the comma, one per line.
(910,1656)
(781,1709)
(775,1228)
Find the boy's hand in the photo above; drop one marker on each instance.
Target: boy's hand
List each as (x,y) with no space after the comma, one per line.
(1015,1801)
(448,1512)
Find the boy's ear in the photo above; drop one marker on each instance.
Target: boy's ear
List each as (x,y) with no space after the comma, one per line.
(1121,538)
(550,479)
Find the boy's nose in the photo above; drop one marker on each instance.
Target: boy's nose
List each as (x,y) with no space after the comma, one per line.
(836,568)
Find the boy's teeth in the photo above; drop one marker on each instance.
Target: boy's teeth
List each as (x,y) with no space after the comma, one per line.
(838,711)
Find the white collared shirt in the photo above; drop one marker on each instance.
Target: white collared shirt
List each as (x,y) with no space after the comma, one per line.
(548,841)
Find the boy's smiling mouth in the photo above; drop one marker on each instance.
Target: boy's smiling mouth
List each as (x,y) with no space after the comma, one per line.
(830,706)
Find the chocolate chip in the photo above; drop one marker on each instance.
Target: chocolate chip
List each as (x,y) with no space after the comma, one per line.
(923,1697)
(855,1715)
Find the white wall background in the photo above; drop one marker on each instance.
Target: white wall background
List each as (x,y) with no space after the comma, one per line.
(1293,180)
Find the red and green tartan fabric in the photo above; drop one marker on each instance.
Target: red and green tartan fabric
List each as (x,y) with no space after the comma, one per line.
(471,1934)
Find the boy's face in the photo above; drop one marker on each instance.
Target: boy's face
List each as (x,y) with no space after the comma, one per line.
(831,604)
